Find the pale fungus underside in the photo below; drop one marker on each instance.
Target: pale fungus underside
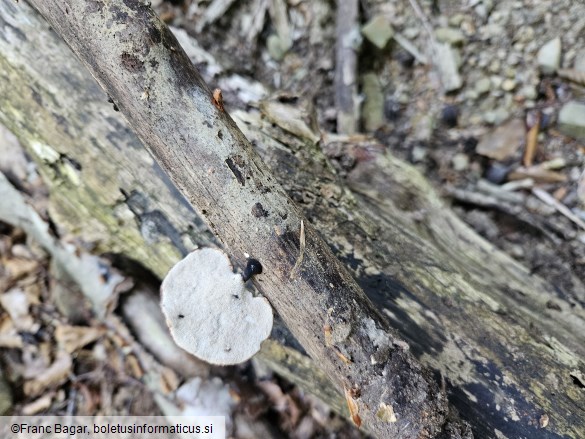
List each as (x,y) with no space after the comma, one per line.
(209,311)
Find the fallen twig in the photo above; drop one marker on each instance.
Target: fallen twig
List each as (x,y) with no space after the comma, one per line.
(560,207)
(348,37)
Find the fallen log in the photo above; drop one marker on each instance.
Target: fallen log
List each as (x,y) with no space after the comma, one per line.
(150,79)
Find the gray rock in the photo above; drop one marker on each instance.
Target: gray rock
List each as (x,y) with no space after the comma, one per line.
(378,31)
(508,85)
(418,154)
(422,127)
(483,86)
(373,107)
(449,35)
(549,56)
(529,92)
(411,32)
(460,162)
(572,120)
(497,116)
(275,47)
(448,66)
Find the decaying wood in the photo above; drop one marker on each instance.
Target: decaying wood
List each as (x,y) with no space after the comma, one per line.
(509,348)
(149,78)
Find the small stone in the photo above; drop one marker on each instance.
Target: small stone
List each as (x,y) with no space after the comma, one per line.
(447,61)
(449,115)
(469,144)
(418,154)
(403,98)
(483,85)
(497,173)
(500,115)
(513,59)
(422,127)
(411,32)
(449,35)
(275,47)
(378,31)
(392,109)
(475,119)
(524,34)
(373,106)
(471,95)
(510,73)
(460,162)
(456,20)
(508,85)
(503,142)
(529,92)
(496,81)
(495,66)
(572,120)
(489,117)
(549,56)
(405,58)
(468,28)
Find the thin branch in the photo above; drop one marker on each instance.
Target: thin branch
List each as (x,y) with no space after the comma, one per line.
(348,38)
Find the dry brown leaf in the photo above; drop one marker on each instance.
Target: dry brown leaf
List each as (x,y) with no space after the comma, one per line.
(169,380)
(88,403)
(353,408)
(54,375)
(10,341)
(274,394)
(560,193)
(18,268)
(38,405)
(538,174)
(504,141)
(134,366)
(291,118)
(9,337)
(72,338)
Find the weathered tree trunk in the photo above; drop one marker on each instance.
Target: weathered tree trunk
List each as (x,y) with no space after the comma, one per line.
(139,63)
(467,310)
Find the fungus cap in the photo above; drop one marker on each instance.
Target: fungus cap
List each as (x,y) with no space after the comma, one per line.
(210,313)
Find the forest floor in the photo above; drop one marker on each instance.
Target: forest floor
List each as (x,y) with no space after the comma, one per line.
(485,98)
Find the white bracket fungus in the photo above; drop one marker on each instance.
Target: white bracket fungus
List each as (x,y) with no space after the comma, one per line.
(209,311)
